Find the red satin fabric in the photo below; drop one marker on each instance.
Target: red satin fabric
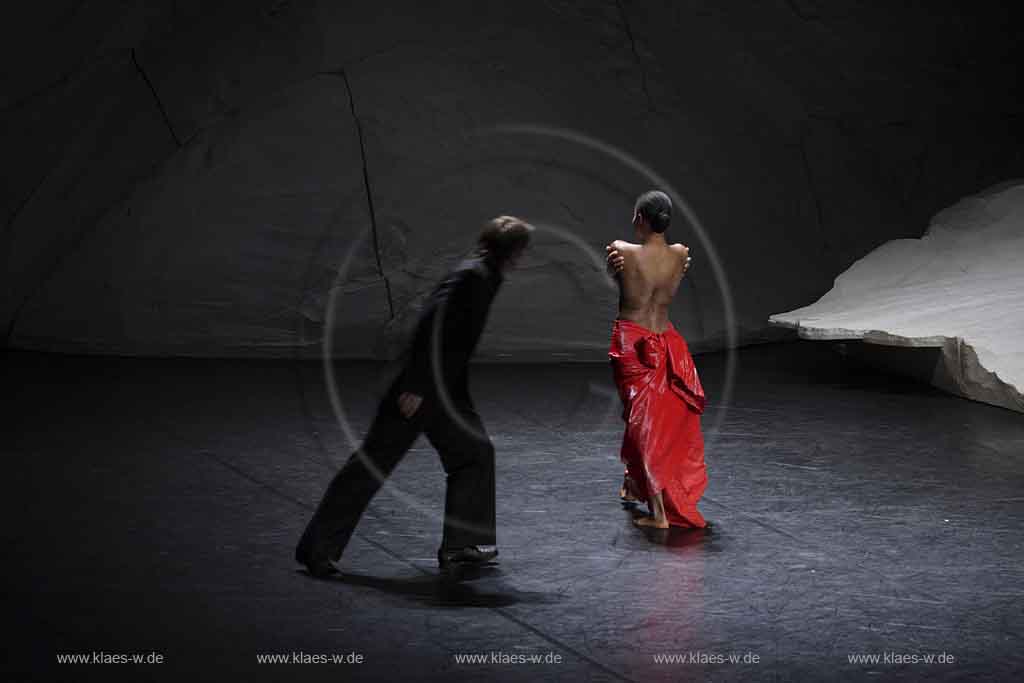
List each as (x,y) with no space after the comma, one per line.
(662,398)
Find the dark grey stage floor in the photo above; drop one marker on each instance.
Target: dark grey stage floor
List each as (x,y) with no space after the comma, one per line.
(153,506)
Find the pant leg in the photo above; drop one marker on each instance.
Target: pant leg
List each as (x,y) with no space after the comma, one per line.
(352,488)
(467,456)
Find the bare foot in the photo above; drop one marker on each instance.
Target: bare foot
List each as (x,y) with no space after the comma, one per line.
(652,522)
(627,497)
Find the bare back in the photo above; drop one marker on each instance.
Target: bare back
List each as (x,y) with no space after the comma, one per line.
(649,279)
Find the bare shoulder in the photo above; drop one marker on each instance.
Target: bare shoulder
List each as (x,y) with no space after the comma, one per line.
(623,245)
(680,249)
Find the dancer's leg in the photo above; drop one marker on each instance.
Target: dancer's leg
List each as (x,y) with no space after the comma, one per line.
(352,488)
(468,459)
(658,518)
(626,490)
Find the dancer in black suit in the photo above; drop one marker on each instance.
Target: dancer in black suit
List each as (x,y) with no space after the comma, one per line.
(431,396)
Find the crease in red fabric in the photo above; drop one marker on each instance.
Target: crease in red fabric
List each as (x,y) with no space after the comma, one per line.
(662,400)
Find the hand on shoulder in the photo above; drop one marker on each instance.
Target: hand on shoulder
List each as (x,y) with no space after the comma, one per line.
(615,259)
(684,254)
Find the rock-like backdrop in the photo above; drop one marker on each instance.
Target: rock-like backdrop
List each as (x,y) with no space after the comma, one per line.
(186,178)
(959,289)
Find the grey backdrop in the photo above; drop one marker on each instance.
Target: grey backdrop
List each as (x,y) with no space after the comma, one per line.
(187,178)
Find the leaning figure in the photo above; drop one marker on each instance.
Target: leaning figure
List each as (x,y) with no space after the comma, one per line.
(431,397)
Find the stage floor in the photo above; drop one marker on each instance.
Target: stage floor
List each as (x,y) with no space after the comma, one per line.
(154,505)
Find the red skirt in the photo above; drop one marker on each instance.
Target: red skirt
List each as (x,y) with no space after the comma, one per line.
(662,399)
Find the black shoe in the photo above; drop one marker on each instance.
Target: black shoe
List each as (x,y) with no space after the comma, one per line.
(470,555)
(320,568)
(318,564)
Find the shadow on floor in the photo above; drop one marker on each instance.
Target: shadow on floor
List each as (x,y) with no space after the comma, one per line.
(441,591)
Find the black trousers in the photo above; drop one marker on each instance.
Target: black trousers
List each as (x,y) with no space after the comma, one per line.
(467,456)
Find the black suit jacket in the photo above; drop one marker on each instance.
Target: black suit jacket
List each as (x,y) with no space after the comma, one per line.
(448,330)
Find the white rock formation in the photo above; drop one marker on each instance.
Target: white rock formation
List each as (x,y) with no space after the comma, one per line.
(960,288)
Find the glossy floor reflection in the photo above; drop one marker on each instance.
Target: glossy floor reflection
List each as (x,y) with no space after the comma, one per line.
(154,506)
